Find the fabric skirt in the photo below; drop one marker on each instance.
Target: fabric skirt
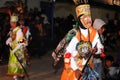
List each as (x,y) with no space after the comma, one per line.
(14,66)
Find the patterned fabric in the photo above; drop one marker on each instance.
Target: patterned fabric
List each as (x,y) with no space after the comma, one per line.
(17,48)
(72,49)
(83,48)
(89,74)
(58,53)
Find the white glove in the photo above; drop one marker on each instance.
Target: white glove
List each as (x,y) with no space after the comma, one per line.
(9,41)
(20,46)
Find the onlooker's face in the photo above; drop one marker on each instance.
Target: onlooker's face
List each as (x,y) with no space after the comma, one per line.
(86,21)
(101,30)
(21,22)
(108,63)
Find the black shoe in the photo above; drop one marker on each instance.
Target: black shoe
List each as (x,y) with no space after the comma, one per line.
(21,78)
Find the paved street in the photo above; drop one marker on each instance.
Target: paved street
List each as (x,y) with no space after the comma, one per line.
(41,69)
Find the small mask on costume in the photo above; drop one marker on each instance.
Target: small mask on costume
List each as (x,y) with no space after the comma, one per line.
(83,48)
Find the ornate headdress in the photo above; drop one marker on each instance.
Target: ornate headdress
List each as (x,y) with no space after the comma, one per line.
(13,18)
(82,7)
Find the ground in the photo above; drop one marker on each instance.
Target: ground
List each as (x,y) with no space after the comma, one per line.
(40,69)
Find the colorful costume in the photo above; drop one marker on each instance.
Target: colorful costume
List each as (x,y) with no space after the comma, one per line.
(74,61)
(27,34)
(17,43)
(77,65)
(58,53)
(17,48)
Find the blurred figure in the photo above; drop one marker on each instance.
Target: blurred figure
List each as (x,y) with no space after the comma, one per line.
(111,69)
(45,23)
(17,43)
(99,25)
(25,29)
(28,37)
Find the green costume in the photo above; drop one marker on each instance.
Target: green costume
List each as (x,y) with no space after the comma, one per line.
(18,49)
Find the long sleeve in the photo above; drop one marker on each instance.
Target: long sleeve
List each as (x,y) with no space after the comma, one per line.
(98,42)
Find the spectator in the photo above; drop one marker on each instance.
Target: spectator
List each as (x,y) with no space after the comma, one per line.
(111,69)
(99,25)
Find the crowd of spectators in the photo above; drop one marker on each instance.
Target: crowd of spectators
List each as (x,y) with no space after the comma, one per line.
(112,33)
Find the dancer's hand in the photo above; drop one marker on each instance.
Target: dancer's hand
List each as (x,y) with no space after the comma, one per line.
(78,73)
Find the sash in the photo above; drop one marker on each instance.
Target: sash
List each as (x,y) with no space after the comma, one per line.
(91,35)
